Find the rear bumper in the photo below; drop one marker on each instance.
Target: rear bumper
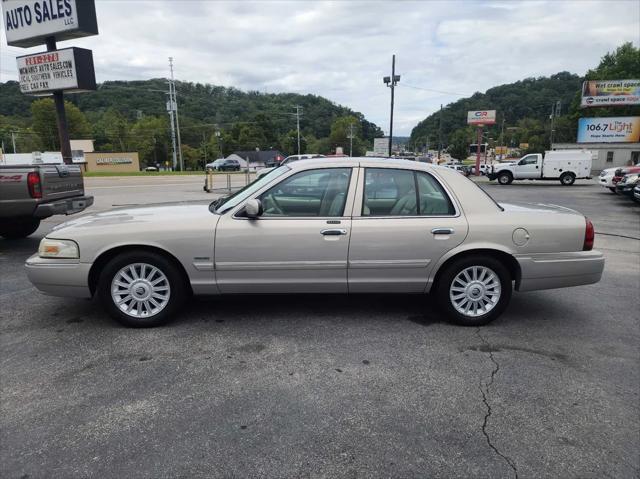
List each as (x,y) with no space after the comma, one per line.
(559,270)
(59,277)
(67,206)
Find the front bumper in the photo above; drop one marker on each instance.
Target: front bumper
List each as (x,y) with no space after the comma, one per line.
(559,270)
(59,277)
(67,206)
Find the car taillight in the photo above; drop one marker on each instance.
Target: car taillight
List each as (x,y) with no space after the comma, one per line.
(589,236)
(34,185)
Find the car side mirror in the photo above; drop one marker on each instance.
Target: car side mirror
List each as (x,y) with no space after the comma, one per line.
(253,208)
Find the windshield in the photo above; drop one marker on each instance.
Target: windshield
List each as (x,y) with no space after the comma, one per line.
(225,203)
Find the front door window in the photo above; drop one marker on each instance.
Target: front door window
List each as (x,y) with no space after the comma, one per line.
(312,193)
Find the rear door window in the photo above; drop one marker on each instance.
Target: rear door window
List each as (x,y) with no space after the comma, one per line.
(390,192)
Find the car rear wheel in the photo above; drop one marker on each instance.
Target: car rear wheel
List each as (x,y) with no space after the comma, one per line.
(141,289)
(474,290)
(16,228)
(567,179)
(505,178)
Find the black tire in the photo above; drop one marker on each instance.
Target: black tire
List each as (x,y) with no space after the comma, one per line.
(612,189)
(505,178)
(16,228)
(567,179)
(176,282)
(446,278)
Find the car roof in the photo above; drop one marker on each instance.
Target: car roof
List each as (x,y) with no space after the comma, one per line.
(363,161)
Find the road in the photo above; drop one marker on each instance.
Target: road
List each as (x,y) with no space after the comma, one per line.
(331,386)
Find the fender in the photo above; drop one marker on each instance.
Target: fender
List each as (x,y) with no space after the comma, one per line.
(464,248)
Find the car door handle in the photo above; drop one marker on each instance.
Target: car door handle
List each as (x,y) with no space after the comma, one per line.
(333,232)
(442,231)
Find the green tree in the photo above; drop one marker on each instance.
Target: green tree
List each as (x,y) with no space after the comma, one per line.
(459,142)
(112,132)
(192,158)
(149,137)
(44,124)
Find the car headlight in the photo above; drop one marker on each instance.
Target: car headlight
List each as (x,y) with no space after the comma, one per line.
(55,248)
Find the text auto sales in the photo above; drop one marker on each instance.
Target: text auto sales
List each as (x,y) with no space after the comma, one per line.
(42,11)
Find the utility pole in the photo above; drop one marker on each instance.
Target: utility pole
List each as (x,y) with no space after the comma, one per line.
(555,111)
(174,163)
(13,140)
(298,113)
(502,140)
(391,82)
(204,145)
(440,134)
(351,139)
(174,102)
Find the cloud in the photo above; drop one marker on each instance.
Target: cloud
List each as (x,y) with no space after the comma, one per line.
(341,50)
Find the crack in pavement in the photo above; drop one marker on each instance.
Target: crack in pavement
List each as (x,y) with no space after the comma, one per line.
(484,393)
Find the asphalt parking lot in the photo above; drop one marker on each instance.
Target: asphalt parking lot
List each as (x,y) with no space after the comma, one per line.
(331,386)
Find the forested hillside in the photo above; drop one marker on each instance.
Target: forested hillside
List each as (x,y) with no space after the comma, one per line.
(123,115)
(526,106)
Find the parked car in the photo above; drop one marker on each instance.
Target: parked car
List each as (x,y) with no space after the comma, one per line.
(606,179)
(356,225)
(213,165)
(627,184)
(563,165)
(32,192)
(224,165)
(289,159)
(622,172)
(151,168)
(636,193)
(484,169)
(459,168)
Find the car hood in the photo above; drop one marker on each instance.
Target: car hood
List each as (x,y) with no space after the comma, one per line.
(137,218)
(537,208)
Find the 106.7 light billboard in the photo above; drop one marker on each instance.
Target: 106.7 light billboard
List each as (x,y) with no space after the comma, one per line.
(622,129)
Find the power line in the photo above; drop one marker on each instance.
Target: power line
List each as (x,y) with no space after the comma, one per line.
(437,91)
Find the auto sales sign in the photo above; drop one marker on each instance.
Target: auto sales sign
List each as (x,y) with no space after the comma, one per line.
(70,69)
(481,117)
(29,22)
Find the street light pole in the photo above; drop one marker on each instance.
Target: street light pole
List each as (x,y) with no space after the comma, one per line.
(391,82)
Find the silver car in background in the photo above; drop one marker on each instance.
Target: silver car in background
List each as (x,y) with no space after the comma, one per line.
(349,225)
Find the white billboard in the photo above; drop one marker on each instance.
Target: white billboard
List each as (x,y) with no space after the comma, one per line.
(610,93)
(481,117)
(381,146)
(29,22)
(70,69)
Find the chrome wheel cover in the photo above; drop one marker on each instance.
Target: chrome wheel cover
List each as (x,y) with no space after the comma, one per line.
(140,290)
(475,291)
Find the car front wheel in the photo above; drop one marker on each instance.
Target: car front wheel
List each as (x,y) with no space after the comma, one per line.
(505,178)
(141,289)
(474,290)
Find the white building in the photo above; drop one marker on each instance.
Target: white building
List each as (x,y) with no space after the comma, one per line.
(606,155)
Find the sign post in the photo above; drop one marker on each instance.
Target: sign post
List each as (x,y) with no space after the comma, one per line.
(480,118)
(28,23)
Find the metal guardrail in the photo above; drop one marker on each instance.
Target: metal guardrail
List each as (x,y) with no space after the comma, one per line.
(224,182)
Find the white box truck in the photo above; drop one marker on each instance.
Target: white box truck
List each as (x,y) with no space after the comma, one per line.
(565,165)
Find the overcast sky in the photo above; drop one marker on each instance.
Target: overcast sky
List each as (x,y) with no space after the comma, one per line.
(341,50)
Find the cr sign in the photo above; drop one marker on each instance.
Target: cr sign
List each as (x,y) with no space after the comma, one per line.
(29,22)
(481,117)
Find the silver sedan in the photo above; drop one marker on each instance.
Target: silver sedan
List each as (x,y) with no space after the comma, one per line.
(354,225)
